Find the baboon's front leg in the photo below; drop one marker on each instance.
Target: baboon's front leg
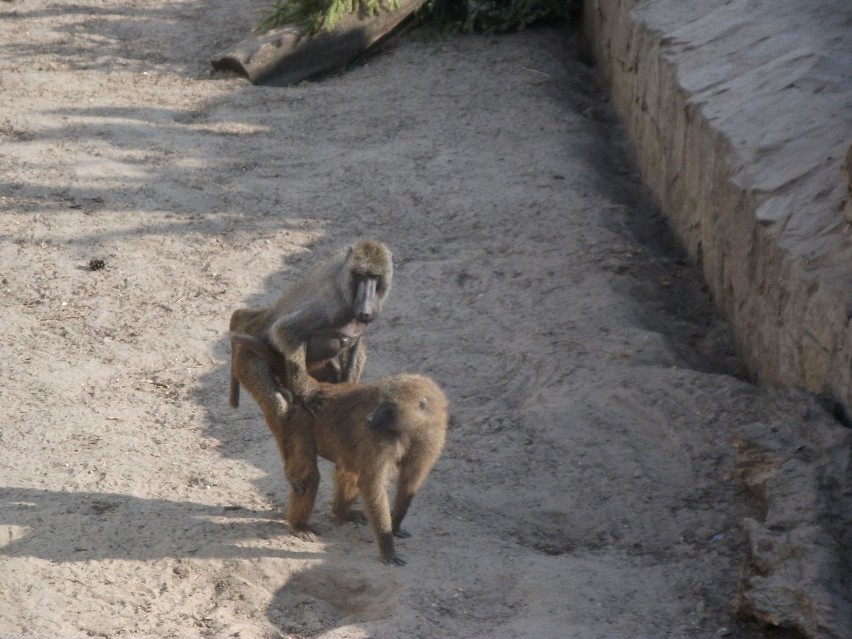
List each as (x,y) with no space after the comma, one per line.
(352,361)
(412,472)
(372,488)
(294,352)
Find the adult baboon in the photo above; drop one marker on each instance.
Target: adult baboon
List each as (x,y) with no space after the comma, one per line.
(316,325)
(367,430)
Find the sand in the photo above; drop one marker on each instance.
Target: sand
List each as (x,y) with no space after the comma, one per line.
(587,486)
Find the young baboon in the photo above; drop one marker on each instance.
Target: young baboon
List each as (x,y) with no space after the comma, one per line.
(317,324)
(367,430)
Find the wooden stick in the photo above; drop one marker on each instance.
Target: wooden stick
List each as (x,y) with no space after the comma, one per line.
(285,55)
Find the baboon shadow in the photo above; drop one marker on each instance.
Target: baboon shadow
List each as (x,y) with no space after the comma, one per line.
(79,526)
(323,597)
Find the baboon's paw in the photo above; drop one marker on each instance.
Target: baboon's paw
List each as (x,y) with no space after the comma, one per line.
(394,560)
(308,533)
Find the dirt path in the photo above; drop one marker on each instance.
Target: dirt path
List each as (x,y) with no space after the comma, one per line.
(585,490)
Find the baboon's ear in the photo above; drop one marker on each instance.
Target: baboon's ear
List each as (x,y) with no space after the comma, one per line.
(424,403)
(383,418)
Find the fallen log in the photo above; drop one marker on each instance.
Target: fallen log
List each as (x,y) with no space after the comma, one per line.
(286,55)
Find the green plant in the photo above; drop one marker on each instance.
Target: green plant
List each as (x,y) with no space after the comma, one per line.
(487,16)
(318,15)
(494,16)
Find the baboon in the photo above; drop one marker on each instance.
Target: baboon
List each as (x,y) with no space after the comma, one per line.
(367,430)
(316,326)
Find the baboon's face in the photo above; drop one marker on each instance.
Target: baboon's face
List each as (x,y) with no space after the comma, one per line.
(368,291)
(370,274)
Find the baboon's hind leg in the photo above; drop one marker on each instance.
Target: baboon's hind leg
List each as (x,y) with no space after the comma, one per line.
(345,493)
(259,380)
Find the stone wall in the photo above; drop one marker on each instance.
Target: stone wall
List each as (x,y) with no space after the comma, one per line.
(740,113)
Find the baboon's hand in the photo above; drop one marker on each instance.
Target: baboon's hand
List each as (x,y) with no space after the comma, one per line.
(394,560)
(286,394)
(402,533)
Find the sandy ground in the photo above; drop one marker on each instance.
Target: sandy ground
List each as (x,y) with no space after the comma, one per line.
(586,487)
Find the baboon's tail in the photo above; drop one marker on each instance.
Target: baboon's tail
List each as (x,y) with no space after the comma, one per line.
(234,397)
(235,392)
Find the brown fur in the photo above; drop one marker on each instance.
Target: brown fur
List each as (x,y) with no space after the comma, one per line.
(313,329)
(367,430)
